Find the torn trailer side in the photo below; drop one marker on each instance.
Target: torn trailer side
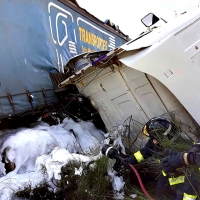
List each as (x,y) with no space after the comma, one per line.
(37,39)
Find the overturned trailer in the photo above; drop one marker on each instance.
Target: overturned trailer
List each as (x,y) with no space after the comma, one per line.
(152,75)
(37,38)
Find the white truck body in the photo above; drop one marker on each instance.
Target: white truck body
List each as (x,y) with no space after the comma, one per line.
(159,73)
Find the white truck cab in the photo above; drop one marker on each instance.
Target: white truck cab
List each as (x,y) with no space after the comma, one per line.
(156,74)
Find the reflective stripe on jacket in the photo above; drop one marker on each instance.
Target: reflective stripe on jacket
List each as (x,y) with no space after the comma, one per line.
(177,180)
(139,157)
(189,196)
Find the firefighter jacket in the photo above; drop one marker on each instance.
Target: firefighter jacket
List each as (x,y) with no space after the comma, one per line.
(151,149)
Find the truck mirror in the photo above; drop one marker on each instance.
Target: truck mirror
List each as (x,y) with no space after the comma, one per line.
(150,19)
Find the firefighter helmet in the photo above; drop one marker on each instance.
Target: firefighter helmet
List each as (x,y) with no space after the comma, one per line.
(158,127)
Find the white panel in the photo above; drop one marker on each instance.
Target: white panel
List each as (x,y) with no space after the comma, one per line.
(154,107)
(108,113)
(185,81)
(171,102)
(90,81)
(150,101)
(189,39)
(193,49)
(196,59)
(127,106)
(113,92)
(143,92)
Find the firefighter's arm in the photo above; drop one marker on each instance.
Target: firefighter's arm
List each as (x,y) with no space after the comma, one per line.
(177,160)
(173,161)
(192,157)
(136,158)
(140,155)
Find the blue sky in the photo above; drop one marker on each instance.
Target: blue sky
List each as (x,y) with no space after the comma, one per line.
(128,13)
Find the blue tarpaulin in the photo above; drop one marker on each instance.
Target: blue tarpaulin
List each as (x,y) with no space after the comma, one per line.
(38,36)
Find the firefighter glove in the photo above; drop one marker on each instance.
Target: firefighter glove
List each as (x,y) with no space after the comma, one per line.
(193,156)
(127,161)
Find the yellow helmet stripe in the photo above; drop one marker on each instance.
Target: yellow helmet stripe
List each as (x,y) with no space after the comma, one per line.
(145,130)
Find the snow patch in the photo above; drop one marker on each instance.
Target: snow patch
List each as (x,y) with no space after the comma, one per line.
(45,148)
(41,151)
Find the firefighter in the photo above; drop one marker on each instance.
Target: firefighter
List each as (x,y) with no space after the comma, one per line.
(177,160)
(173,186)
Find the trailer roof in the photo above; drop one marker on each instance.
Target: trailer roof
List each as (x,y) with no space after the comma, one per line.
(75,6)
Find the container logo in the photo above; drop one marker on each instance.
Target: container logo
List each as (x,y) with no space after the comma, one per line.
(73,34)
